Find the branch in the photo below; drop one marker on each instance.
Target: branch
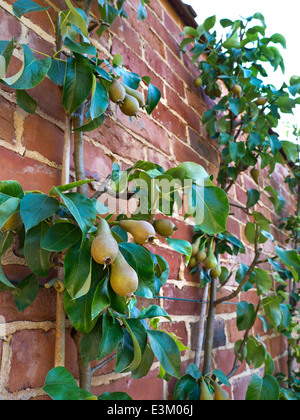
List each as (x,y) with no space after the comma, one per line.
(243,282)
(102,364)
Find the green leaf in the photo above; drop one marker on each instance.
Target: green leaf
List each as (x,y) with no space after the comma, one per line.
(166,351)
(209,23)
(99,101)
(36,257)
(6,240)
(61,236)
(67,187)
(114,396)
(21,7)
(210,208)
(37,207)
(8,207)
(237,150)
(101,298)
(32,72)
(254,388)
(129,353)
(78,18)
(80,48)
(245,315)
(61,386)
(26,292)
(89,343)
(82,208)
(78,84)
(57,71)
(235,105)
(26,102)
(252,197)
(112,334)
(5,284)
(185,386)
(182,247)
(153,311)
(153,98)
(11,188)
(272,311)
(263,281)
(278,39)
(221,376)
(142,11)
(77,265)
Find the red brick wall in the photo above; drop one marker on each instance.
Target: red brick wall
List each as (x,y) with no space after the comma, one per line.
(31,153)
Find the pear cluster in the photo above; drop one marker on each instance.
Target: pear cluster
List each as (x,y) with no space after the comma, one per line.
(206,392)
(129,100)
(203,255)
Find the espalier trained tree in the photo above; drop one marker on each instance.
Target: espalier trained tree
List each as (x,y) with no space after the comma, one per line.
(244,121)
(99,271)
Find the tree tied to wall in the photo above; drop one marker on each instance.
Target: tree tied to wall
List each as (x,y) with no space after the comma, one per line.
(65,232)
(243,120)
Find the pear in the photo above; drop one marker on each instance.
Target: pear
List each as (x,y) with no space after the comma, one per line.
(205,394)
(198,82)
(220,393)
(195,247)
(136,94)
(130,106)
(261,101)
(211,261)
(105,248)
(165,227)
(123,279)
(142,232)
(193,262)
(255,175)
(216,272)
(117,92)
(237,91)
(202,255)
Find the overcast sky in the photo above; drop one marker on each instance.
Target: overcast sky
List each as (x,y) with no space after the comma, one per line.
(281,17)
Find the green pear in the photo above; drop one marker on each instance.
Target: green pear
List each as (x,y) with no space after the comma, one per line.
(205,394)
(130,106)
(211,261)
(216,272)
(195,247)
(165,227)
(136,94)
(117,92)
(220,393)
(123,279)
(143,232)
(105,248)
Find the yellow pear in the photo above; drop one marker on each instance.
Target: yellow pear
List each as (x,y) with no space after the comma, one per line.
(220,393)
(116,92)
(195,247)
(216,272)
(237,91)
(205,394)
(136,94)
(142,232)
(123,279)
(105,248)
(255,175)
(165,227)
(211,261)
(130,106)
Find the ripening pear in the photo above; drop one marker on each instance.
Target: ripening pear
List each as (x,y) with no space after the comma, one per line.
(136,94)
(198,81)
(165,227)
(130,106)
(117,92)
(220,393)
(237,91)
(195,247)
(205,394)
(13,222)
(142,232)
(255,175)
(193,262)
(105,248)
(216,272)
(123,279)
(211,261)
(261,101)
(202,255)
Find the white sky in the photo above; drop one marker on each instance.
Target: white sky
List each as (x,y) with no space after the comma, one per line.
(281,17)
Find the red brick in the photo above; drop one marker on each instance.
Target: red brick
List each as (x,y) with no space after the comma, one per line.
(184,153)
(44,137)
(7,130)
(31,174)
(184,110)
(10,27)
(178,307)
